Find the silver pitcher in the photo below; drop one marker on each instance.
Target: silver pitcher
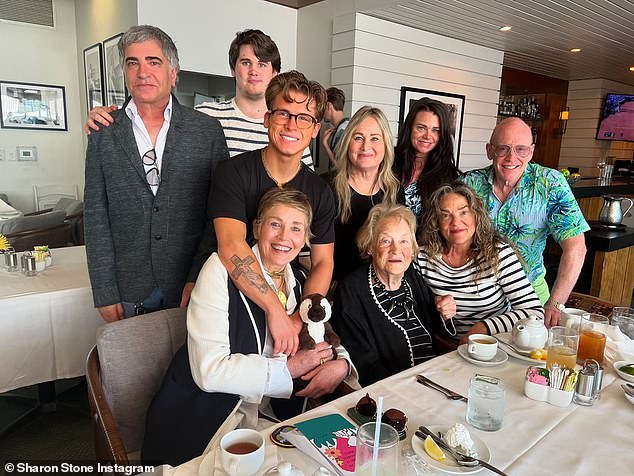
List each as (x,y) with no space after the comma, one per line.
(611,213)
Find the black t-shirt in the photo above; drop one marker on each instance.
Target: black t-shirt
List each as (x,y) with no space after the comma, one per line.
(347,257)
(240,182)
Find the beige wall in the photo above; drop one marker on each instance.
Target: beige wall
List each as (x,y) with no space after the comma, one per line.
(578,146)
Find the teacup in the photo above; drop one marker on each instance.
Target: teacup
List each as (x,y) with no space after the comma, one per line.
(242,452)
(571,317)
(482,346)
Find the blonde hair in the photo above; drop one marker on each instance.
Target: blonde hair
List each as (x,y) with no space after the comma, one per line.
(367,234)
(484,247)
(287,197)
(386,180)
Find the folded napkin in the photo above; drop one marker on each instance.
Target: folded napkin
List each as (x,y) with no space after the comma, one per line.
(618,346)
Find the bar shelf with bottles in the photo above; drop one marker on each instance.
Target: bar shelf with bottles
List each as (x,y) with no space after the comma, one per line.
(525,107)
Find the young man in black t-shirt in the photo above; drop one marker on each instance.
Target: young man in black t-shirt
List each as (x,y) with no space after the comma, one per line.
(296,107)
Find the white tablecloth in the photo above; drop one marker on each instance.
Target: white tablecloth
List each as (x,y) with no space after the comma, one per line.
(536,438)
(47,322)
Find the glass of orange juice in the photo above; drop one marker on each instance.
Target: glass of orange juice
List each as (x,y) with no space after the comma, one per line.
(592,337)
(562,346)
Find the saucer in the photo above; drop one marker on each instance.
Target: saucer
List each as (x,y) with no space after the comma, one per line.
(499,358)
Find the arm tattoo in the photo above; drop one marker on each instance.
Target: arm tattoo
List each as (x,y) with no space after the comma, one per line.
(243,267)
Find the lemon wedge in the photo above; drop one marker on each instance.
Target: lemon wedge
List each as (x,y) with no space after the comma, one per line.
(539,354)
(433,449)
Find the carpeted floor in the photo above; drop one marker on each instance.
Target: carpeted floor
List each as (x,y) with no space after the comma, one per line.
(64,434)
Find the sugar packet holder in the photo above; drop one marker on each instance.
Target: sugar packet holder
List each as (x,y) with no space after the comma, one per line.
(556,388)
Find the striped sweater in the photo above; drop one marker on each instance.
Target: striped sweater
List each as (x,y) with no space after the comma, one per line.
(243,133)
(497,299)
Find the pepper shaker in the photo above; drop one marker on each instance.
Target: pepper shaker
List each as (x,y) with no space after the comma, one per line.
(586,389)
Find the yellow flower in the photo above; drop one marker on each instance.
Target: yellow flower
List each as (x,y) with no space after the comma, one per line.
(4,243)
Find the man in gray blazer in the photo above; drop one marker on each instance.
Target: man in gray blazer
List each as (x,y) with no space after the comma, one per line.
(148,179)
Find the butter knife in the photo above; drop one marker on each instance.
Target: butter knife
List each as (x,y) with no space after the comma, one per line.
(445,391)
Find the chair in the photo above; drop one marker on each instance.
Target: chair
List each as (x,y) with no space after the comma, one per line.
(123,372)
(591,304)
(46,196)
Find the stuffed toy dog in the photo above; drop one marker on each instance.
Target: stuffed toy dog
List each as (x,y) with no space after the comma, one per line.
(315,312)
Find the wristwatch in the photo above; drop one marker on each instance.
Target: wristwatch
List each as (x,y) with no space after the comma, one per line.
(555,304)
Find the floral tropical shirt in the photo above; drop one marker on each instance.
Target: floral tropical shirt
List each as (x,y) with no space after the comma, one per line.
(541,204)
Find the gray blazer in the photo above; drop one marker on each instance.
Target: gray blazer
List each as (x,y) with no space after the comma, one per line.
(134,240)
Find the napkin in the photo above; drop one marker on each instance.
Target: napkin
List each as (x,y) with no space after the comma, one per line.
(618,346)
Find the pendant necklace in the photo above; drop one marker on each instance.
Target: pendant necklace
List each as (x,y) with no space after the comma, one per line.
(282,276)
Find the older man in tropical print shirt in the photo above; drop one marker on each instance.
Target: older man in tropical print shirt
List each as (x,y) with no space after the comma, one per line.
(528,202)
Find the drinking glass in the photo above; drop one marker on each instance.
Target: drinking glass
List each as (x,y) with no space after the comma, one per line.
(387,461)
(485,406)
(592,337)
(623,317)
(562,346)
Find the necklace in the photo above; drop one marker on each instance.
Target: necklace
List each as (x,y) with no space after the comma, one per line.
(281,275)
(279,184)
(452,263)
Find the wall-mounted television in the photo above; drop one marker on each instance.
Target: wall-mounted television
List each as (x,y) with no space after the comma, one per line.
(617,118)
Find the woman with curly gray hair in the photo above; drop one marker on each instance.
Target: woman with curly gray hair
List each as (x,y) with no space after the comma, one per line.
(463,256)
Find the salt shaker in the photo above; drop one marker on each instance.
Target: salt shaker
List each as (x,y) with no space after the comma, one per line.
(11,261)
(29,268)
(586,389)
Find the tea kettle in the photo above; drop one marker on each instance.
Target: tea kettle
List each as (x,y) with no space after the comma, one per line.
(611,213)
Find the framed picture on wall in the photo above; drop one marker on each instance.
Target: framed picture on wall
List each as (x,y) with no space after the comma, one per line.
(93,75)
(116,92)
(32,106)
(455,103)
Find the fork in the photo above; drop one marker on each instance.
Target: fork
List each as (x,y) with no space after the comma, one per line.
(461,459)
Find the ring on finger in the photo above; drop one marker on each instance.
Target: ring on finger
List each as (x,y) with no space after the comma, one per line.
(322,361)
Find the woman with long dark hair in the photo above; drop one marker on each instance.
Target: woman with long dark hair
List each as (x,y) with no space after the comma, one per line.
(424,158)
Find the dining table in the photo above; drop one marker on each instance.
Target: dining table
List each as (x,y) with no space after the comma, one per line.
(536,438)
(48,322)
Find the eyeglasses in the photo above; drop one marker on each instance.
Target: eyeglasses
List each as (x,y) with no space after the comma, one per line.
(503,150)
(152,174)
(282,117)
(366,407)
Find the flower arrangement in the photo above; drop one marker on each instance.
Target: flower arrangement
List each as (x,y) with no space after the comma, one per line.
(4,243)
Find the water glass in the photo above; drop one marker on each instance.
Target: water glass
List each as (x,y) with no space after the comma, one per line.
(387,461)
(562,346)
(592,338)
(623,317)
(485,408)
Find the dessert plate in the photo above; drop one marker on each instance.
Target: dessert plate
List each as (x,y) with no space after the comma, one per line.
(449,465)
(499,358)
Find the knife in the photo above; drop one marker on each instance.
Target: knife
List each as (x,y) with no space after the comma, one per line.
(461,459)
(448,393)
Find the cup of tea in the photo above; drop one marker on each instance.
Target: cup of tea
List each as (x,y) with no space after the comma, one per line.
(592,338)
(242,452)
(562,346)
(482,346)
(571,317)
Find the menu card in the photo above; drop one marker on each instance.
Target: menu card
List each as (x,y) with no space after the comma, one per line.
(334,437)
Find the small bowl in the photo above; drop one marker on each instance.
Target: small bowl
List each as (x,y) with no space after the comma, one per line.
(623,375)
(559,398)
(536,391)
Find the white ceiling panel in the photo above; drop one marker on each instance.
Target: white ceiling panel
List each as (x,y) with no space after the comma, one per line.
(543,32)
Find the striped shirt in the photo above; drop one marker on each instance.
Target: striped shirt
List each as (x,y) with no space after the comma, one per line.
(399,307)
(243,133)
(497,299)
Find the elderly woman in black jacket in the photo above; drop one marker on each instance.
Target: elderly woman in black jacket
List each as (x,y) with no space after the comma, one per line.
(384,313)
